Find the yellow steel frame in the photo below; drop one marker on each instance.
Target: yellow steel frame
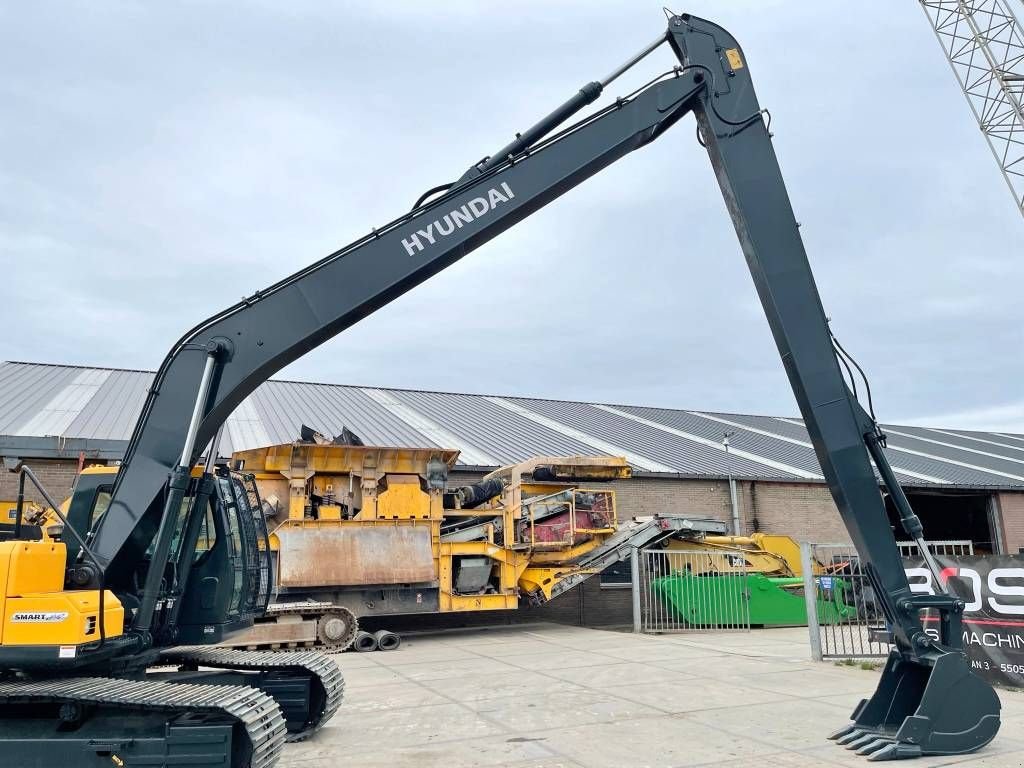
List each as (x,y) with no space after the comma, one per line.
(385,485)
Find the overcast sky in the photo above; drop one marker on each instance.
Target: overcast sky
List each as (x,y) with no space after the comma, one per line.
(160,160)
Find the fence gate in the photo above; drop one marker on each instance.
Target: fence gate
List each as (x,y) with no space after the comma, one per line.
(689,591)
(841,604)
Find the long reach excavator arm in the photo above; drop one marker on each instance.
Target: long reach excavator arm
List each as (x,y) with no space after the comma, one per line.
(928,702)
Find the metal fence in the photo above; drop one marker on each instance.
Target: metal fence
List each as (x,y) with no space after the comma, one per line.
(947,548)
(844,620)
(689,591)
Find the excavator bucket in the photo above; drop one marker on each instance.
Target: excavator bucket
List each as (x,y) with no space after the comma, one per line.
(942,709)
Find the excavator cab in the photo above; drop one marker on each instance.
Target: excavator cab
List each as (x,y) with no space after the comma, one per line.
(231,577)
(220,541)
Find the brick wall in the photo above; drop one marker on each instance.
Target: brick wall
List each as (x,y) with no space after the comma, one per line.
(804,511)
(1011,512)
(654,495)
(56,476)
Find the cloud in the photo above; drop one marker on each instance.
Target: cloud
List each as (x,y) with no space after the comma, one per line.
(161,161)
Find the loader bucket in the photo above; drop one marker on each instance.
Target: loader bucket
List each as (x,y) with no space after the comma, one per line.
(917,710)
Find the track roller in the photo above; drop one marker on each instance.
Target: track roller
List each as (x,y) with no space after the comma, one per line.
(337,629)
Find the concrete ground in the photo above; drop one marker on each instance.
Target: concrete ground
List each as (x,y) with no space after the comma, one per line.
(548,696)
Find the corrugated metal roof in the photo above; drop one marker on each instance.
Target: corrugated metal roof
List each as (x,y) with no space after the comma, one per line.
(285,406)
(114,407)
(50,409)
(972,440)
(800,456)
(500,432)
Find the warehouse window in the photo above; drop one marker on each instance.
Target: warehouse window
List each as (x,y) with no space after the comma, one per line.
(617,576)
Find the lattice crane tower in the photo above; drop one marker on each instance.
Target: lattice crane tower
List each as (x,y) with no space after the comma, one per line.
(984,43)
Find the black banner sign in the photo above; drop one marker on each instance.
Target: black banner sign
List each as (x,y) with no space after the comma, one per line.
(993,588)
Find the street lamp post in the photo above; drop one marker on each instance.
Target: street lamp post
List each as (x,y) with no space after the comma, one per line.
(736,528)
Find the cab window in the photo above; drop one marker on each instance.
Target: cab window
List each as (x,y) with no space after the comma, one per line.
(207,536)
(100,504)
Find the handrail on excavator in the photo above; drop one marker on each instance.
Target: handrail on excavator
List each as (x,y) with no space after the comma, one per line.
(24,471)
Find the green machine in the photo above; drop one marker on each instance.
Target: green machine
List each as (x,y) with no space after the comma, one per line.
(771,601)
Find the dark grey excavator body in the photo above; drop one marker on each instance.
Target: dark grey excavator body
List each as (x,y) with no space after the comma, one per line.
(928,701)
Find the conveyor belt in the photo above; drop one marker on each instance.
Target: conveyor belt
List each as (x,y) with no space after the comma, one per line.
(636,534)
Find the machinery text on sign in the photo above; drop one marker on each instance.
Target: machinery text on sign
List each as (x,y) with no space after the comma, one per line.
(992,589)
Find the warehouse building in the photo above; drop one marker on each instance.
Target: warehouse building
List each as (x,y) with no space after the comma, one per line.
(756,472)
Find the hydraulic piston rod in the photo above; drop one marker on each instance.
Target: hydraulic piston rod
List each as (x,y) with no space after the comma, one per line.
(630,63)
(588,94)
(908,518)
(177,486)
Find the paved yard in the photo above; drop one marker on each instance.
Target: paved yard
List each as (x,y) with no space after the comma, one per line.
(546,696)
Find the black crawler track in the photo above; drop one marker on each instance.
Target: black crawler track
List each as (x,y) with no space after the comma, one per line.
(322,668)
(257,713)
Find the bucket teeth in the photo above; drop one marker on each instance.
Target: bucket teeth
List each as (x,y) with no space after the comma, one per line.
(889,752)
(864,740)
(875,745)
(851,736)
(843,732)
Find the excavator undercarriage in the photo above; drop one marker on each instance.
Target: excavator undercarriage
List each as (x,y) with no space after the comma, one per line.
(103,721)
